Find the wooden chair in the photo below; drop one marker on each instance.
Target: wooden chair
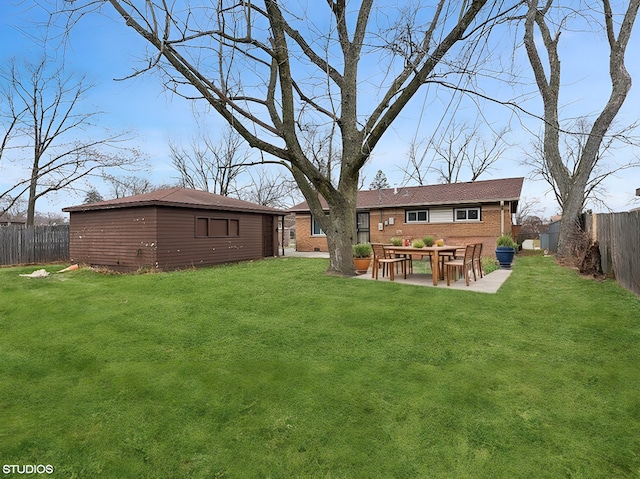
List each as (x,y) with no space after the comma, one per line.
(477,261)
(445,256)
(382,259)
(464,265)
(408,258)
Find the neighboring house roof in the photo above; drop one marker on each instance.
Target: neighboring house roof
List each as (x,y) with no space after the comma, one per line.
(487,191)
(6,222)
(178,197)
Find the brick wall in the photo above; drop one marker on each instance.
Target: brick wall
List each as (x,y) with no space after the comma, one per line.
(304,240)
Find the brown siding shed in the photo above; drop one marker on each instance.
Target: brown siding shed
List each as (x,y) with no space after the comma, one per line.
(171,229)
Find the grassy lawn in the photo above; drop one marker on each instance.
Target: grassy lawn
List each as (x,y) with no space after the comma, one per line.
(272,369)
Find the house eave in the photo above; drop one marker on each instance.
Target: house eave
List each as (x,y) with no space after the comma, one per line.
(421,205)
(85,208)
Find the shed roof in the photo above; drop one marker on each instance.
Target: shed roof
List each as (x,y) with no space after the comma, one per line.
(486,191)
(181,198)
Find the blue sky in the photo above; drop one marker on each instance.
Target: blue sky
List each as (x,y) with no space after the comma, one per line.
(103,49)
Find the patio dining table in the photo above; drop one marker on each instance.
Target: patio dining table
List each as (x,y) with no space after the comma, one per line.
(432,251)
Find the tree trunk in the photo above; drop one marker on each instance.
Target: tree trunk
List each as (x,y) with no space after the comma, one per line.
(570,231)
(33,185)
(341,236)
(339,225)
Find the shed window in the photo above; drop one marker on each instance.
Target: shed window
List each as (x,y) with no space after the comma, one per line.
(202,226)
(234,227)
(217,227)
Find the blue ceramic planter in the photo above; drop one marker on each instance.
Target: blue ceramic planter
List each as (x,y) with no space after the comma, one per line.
(505,256)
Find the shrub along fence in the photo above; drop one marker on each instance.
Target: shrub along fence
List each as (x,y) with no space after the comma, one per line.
(33,244)
(618,235)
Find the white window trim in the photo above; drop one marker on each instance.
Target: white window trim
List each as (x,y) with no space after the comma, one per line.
(406,216)
(316,235)
(466,220)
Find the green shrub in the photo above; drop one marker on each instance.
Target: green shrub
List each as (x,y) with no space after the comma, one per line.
(505,240)
(429,240)
(361,250)
(396,241)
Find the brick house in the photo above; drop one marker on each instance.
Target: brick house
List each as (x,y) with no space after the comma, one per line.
(459,213)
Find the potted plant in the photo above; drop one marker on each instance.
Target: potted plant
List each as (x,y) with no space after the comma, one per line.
(418,244)
(396,241)
(429,240)
(361,257)
(505,250)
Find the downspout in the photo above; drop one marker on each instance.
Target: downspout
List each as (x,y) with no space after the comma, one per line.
(501,217)
(282,238)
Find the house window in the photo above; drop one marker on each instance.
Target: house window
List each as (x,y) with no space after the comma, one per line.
(467,214)
(416,216)
(217,227)
(315,228)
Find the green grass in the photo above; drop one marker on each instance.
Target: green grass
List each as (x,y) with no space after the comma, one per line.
(273,369)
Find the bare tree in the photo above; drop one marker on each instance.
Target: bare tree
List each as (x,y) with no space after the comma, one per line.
(527,207)
(532,226)
(13,209)
(50,219)
(458,153)
(272,69)
(572,183)
(43,109)
(128,185)
(268,188)
(572,143)
(211,166)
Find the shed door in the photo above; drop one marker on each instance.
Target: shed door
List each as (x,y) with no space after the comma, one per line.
(267,236)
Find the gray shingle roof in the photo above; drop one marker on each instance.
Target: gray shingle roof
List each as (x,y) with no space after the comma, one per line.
(178,197)
(486,191)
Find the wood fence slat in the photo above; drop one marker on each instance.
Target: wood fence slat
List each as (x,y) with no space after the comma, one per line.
(33,244)
(618,235)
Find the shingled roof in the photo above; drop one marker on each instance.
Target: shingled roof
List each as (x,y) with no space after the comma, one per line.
(178,197)
(487,191)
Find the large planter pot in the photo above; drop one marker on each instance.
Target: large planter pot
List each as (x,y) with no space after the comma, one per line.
(361,264)
(505,256)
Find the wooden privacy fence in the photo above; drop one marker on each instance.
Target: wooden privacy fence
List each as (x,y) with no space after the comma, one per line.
(619,237)
(33,244)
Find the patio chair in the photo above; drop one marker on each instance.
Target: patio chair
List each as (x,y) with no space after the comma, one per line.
(477,261)
(408,258)
(382,259)
(445,256)
(464,265)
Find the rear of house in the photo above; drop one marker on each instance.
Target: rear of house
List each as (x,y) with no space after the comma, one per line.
(459,213)
(171,229)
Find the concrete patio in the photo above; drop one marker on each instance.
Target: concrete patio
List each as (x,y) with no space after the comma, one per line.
(490,283)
